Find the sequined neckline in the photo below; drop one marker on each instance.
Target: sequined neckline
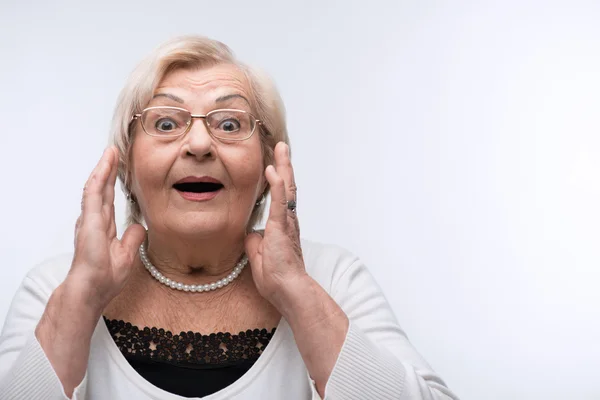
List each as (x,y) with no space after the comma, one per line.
(188,348)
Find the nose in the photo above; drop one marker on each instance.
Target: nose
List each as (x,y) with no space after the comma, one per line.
(198,141)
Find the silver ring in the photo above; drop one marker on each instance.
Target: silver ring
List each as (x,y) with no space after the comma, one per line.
(291,205)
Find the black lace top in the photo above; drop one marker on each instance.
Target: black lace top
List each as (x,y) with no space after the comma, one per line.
(188,364)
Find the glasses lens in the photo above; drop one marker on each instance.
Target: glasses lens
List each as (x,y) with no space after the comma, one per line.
(230,124)
(165,121)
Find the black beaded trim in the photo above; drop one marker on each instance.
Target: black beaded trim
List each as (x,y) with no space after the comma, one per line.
(192,348)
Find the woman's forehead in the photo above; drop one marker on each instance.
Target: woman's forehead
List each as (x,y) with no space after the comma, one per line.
(208,83)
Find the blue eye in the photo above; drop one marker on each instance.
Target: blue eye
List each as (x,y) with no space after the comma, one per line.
(165,125)
(229,125)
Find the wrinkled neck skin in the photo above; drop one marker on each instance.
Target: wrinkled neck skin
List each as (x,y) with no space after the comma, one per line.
(196,259)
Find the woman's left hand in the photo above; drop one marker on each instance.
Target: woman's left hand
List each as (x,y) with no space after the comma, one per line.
(276,256)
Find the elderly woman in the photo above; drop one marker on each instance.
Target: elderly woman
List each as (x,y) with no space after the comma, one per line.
(192,301)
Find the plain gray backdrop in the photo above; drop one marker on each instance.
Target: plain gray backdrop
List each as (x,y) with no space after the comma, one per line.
(452,145)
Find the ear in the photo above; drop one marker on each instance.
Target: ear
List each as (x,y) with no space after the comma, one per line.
(265,189)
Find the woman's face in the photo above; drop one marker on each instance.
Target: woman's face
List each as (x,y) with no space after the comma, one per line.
(158,163)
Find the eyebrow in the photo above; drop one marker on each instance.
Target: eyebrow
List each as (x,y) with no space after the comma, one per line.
(217,100)
(231,96)
(170,96)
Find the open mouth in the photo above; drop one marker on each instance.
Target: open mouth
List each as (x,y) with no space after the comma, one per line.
(198,187)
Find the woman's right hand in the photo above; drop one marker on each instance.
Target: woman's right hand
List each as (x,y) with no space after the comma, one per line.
(102,263)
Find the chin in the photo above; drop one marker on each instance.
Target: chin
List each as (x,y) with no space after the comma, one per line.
(199,224)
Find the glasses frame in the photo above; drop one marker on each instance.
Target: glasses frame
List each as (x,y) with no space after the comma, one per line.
(256,121)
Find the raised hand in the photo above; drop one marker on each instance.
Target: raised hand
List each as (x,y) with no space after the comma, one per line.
(276,256)
(102,262)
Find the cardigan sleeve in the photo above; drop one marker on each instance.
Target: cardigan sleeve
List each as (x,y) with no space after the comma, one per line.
(25,371)
(376,360)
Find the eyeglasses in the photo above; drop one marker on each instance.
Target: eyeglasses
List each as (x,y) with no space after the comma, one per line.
(223,124)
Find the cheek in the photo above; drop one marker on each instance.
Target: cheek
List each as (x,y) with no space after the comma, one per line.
(149,168)
(246,171)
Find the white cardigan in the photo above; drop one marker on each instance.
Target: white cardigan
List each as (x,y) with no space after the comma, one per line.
(376,361)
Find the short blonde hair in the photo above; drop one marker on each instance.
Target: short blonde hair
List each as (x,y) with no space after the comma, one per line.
(188,52)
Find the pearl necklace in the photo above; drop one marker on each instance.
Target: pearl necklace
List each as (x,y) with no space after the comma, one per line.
(191,288)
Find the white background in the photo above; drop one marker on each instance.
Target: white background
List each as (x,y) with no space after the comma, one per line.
(452,145)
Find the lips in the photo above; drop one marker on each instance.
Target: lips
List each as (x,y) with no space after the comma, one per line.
(198,188)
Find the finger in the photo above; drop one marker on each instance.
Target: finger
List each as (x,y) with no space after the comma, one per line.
(278,210)
(253,248)
(108,195)
(253,244)
(77,226)
(132,239)
(286,171)
(97,167)
(112,226)
(93,191)
(109,188)
(283,164)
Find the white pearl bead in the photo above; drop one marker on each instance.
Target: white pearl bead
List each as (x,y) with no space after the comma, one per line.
(190,288)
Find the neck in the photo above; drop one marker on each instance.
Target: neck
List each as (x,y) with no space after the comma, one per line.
(194,260)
